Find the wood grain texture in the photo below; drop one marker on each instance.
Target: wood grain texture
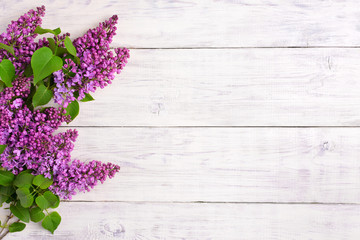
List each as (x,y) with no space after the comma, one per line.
(231,87)
(225,164)
(218,63)
(129,221)
(205,23)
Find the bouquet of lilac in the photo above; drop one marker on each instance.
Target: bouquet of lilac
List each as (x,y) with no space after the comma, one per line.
(36,169)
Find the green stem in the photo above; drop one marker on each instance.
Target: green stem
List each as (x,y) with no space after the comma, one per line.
(5,224)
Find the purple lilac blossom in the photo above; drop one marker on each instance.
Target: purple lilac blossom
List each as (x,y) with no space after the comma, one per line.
(98,64)
(29,135)
(20,34)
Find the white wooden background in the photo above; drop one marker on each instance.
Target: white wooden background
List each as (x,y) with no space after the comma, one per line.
(233,120)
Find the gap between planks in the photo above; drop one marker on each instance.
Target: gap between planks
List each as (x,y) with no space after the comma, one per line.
(233,47)
(144,126)
(209,202)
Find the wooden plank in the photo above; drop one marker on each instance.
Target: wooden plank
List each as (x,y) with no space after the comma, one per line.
(206,23)
(225,164)
(113,220)
(231,87)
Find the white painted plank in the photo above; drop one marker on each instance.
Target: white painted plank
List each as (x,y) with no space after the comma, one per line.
(225,164)
(232,87)
(129,221)
(206,23)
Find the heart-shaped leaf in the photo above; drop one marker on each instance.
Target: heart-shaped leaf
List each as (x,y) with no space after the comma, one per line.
(24,179)
(42,202)
(48,199)
(36,214)
(51,222)
(53,200)
(44,63)
(25,197)
(42,96)
(17,227)
(20,212)
(73,109)
(42,182)
(7,72)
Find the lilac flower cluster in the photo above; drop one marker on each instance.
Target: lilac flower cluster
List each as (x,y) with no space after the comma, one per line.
(32,144)
(98,64)
(20,34)
(29,135)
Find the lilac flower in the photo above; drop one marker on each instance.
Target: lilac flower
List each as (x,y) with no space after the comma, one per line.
(98,64)
(17,103)
(32,144)
(29,135)
(20,34)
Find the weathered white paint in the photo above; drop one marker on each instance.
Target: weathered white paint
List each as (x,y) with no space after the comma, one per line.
(177,221)
(231,87)
(205,23)
(225,164)
(165,169)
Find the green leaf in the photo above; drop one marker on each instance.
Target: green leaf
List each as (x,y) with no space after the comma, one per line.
(6,178)
(77,60)
(42,182)
(36,214)
(52,44)
(2,148)
(20,212)
(73,109)
(60,51)
(25,197)
(69,46)
(48,199)
(51,222)
(28,101)
(7,72)
(17,227)
(3,199)
(5,193)
(57,31)
(76,94)
(74,59)
(28,72)
(24,179)
(41,30)
(10,49)
(42,202)
(42,96)
(72,74)
(27,171)
(87,98)
(44,63)
(53,200)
